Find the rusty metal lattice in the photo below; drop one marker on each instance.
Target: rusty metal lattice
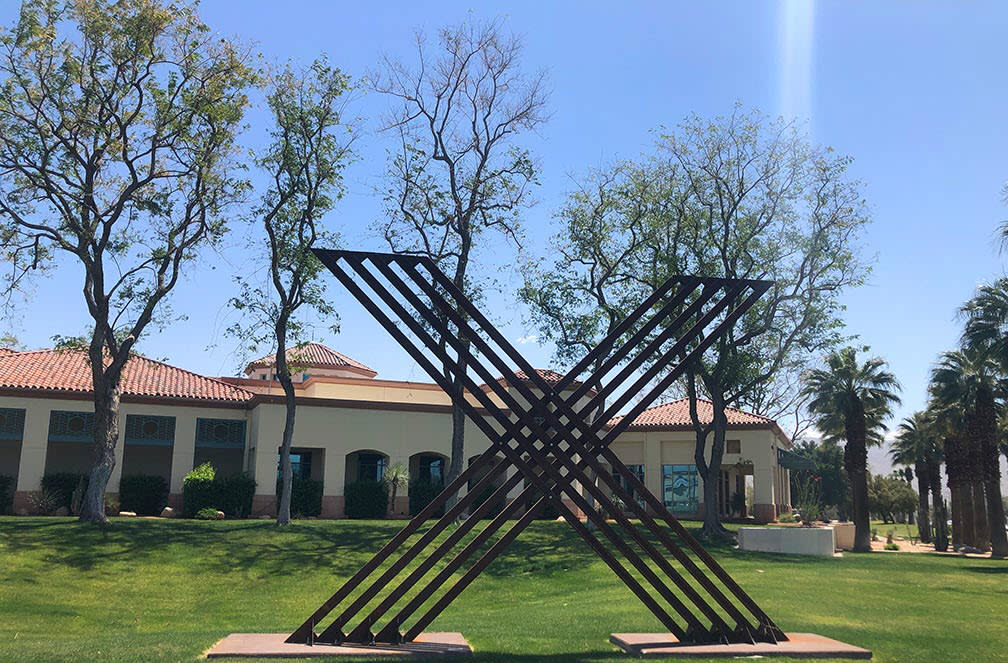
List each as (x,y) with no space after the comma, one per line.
(547,435)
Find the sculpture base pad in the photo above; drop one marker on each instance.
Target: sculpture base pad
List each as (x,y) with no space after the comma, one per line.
(272,645)
(798,645)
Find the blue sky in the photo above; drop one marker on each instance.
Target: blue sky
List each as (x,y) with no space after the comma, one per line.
(915,92)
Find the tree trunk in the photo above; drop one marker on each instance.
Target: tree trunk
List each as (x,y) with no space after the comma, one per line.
(938,506)
(457,462)
(856,462)
(996,517)
(709,471)
(923,521)
(966,521)
(106,433)
(957,511)
(458,372)
(991,470)
(981,528)
(286,471)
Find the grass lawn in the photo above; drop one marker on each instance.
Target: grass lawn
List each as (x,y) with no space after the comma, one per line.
(902,530)
(153,590)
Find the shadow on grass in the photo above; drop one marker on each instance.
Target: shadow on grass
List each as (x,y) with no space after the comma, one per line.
(1000,569)
(334,547)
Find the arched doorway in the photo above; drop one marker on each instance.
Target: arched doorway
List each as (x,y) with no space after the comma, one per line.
(427,472)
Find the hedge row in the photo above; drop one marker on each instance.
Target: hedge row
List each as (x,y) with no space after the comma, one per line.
(306,497)
(203,489)
(6,494)
(422,493)
(365,499)
(62,486)
(143,494)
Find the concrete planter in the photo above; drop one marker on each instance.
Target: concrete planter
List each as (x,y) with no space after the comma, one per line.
(844,533)
(818,541)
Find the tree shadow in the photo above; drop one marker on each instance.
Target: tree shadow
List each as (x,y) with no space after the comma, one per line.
(1001,569)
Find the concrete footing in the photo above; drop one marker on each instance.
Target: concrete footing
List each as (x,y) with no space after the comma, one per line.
(798,645)
(272,645)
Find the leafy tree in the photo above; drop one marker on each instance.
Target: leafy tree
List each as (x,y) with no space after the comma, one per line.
(304,163)
(856,393)
(829,467)
(117,128)
(460,175)
(914,447)
(890,497)
(969,379)
(737,197)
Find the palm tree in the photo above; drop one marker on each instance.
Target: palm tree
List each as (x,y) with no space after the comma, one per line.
(858,394)
(970,379)
(910,449)
(949,423)
(396,477)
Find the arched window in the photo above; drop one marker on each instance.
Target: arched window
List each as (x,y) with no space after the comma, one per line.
(371,466)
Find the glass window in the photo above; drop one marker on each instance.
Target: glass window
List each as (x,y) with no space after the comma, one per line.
(300,465)
(371,467)
(733,446)
(636,470)
(679,488)
(432,469)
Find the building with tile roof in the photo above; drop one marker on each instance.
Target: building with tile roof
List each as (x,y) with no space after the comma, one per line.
(350,426)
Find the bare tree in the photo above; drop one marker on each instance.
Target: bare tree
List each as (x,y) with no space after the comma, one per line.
(305,161)
(459,172)
(117,127)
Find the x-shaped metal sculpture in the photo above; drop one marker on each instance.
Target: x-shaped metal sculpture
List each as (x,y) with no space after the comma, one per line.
(553,442)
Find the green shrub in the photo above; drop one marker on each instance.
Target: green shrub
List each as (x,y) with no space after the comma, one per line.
(788,517)
(892,546)
(61,486)
(496,507)
(199,490)
(44,502)
(6,494)
(421,493)
(143,494)
(365,499)
(202,488)
(208,513)
(235,494)
(306,497)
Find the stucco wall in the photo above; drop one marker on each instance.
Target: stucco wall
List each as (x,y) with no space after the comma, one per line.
(333,433)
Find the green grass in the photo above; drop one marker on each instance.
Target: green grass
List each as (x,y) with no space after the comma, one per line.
(901,530)
(151,590)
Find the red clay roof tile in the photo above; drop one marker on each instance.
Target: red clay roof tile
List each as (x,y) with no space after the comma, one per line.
(676,414)
(314,355)
(68,370)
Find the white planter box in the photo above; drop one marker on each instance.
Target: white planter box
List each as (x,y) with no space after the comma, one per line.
(817,541)
(844,533)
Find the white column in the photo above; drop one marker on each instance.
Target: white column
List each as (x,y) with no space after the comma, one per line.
(335,473)
(653,464)
(34,443)
(183,452)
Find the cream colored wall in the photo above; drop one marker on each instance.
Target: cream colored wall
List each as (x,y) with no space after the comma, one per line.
(656,448)
(341,431)
(34,446)
(363,389)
